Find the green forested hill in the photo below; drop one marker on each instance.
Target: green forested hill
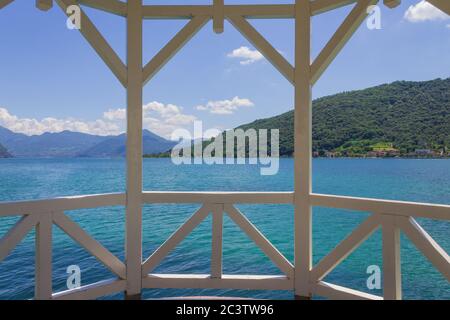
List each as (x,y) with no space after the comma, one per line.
(410,115)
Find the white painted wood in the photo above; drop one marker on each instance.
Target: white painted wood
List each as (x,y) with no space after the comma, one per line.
(260,240)
(73,230)
(217,241)
(16,234)
(397,208)
(302,149)
(92,291)
(61,204)
(176,11)
(173,46)
(270,11)
(264,11)
(195,281)
(392,274)
(218,197)
(218,16)
(340,38)
(443,5)
(321,6)
(392,3)
(400,208)
(134,154)
(44,5)
(132,77)
(178,236)
(4,3)
(345,248)
(43,267)
(266,49)
(98,43)
(111,6)
(335,292)
(426,244)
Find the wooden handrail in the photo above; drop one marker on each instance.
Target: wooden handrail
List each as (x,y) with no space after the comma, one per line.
(45,206)
(392,207)
(392,216)
(218,197)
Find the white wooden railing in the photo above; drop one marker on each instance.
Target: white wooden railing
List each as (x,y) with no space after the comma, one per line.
(392,217)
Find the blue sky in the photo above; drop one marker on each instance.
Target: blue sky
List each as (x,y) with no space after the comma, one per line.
(51,79)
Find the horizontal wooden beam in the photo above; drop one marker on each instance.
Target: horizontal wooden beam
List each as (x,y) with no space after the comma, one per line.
(401,208)
(218,197)
(268,11)
(335,292)
(61,204)
(276,11)
(396,208)
(321,6)
(111,6)
(195,281)
(92,291)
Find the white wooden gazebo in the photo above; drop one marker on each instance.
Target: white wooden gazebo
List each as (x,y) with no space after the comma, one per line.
(135,273)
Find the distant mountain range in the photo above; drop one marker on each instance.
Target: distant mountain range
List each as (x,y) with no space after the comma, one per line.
(401,117)
(3,152)
(115,146)
(74,144)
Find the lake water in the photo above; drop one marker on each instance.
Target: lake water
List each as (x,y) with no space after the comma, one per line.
(399,179)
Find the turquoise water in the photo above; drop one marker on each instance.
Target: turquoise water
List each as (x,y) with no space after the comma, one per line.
(415,180)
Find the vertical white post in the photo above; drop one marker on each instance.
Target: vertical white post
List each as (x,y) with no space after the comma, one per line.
(217,241)
(302,156)
(392,274)
(134,150)
(218,16)
(43,277)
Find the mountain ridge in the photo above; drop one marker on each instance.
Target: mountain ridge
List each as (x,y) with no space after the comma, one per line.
(398,118)
(402,118)
(3,152)
(74,144)
(409,115)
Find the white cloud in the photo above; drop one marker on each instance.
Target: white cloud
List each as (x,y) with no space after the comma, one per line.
(225,106)
(424,11)
(32,126)
(164,119)
(247,55)
(159,118)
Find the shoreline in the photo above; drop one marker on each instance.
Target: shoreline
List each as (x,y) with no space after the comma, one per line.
(168,157)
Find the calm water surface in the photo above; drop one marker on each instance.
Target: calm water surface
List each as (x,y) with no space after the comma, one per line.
(414,180)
